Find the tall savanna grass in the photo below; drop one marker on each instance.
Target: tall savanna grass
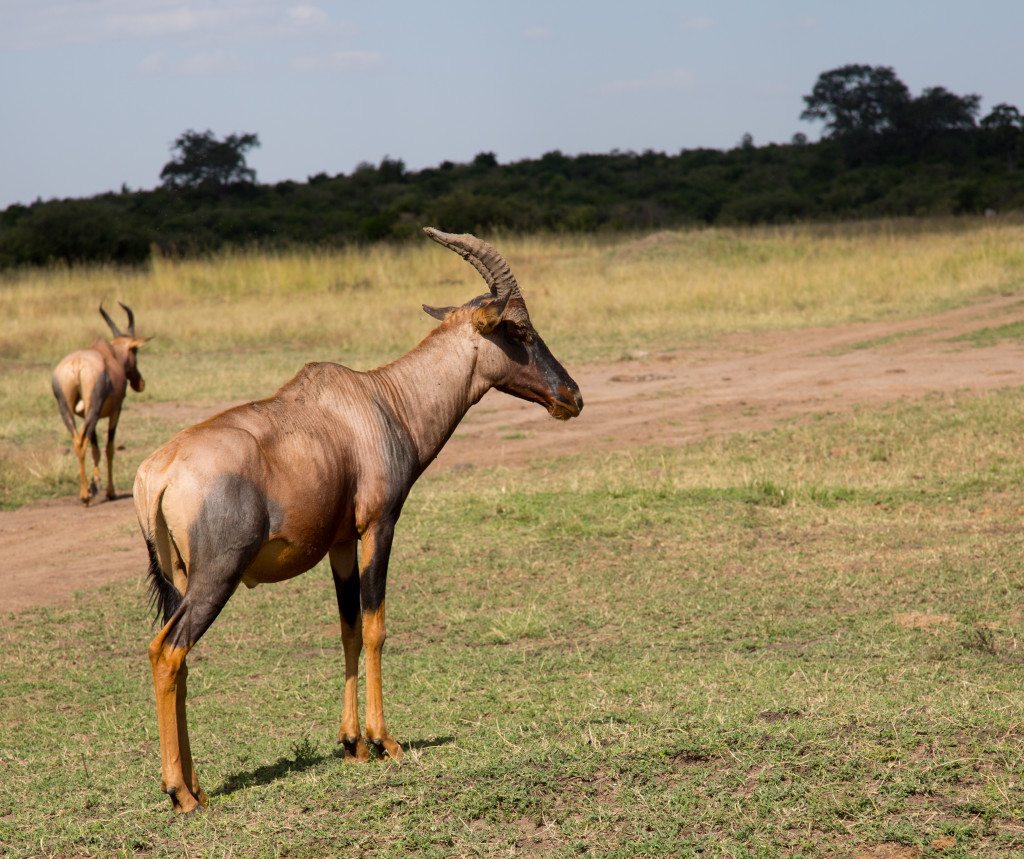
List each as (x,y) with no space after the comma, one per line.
(591,296)
(238,324)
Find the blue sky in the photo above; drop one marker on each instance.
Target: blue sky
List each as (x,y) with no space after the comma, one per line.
(93,92)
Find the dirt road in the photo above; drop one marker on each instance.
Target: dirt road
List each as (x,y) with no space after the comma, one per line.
(743,382)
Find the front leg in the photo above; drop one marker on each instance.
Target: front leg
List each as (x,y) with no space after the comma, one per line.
(373,573)
(345,572)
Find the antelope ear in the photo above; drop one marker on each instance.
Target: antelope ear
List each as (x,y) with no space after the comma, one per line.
(437,312)
(487,316)
(139,341)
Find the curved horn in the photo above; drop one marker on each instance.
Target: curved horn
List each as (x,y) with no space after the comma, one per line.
(484,258)
(131,319)
(110,322)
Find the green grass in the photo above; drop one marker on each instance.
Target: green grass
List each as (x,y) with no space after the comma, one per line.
(877,342)
(804,642)
(991,336)
(238,325)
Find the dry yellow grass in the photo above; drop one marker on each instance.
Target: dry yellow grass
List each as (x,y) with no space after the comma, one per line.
(238,324)
(590,296)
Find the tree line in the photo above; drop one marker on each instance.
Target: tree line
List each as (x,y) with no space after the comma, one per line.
(883,152)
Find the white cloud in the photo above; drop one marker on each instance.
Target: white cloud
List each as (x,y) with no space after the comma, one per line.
(307,15)
(35,24)
(538,33)
(339,61)
(161,22)
(701,22)
(170,19)
(673,79)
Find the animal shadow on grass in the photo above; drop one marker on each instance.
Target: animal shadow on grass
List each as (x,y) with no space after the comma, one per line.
(304,756)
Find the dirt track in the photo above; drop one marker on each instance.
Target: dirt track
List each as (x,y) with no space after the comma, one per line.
(744,382)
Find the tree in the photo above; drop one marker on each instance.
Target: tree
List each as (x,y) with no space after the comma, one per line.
(935,121)
(391,169)
(938,109)
(485,160)
(1003,116)
(1003,126)
(203,161)
(855,100)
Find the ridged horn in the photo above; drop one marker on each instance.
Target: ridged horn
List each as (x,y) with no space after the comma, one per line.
(110,322)
(484,258)
(131,318)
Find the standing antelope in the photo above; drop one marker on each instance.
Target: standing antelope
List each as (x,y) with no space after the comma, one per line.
(92,383)
(261,492)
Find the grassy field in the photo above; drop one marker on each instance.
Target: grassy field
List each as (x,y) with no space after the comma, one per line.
(237,326)
(804,642)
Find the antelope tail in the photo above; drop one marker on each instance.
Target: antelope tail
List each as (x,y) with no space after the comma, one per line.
(62,404)
(164,598)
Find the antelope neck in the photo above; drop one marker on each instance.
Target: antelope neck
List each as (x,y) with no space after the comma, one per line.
(431,388)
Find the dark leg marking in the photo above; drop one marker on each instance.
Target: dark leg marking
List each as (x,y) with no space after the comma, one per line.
(345,572)
(346,589)
(373,572)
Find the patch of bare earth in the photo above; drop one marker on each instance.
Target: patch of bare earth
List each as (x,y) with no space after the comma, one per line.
(922,620)
(740,383)
(889,851)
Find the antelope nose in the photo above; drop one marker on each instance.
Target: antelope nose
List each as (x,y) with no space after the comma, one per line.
(571,394)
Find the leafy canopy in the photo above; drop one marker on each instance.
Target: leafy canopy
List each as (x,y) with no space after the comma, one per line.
(857,99)
(203,161)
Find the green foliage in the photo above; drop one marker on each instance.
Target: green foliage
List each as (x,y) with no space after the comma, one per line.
(871,113)
(72,231)
(857,99)
(886,154)
(203,161)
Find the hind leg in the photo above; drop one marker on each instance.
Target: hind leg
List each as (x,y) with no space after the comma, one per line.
(81,441)
(111,429)
(94,484)
(87,437)
(66,392)
(214,539)
(200,606)
(169,672)
(188,770)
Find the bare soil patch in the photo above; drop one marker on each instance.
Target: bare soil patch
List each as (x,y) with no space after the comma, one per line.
(922,620)
(889,851)
(739,383)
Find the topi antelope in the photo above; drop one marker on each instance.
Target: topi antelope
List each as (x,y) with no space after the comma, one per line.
(92,383)
(261,492)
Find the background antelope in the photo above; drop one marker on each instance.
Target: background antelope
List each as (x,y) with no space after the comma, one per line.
(261,492)
(92,383)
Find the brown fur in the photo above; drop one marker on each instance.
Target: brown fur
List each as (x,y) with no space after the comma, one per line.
(92,383)
(261,492)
